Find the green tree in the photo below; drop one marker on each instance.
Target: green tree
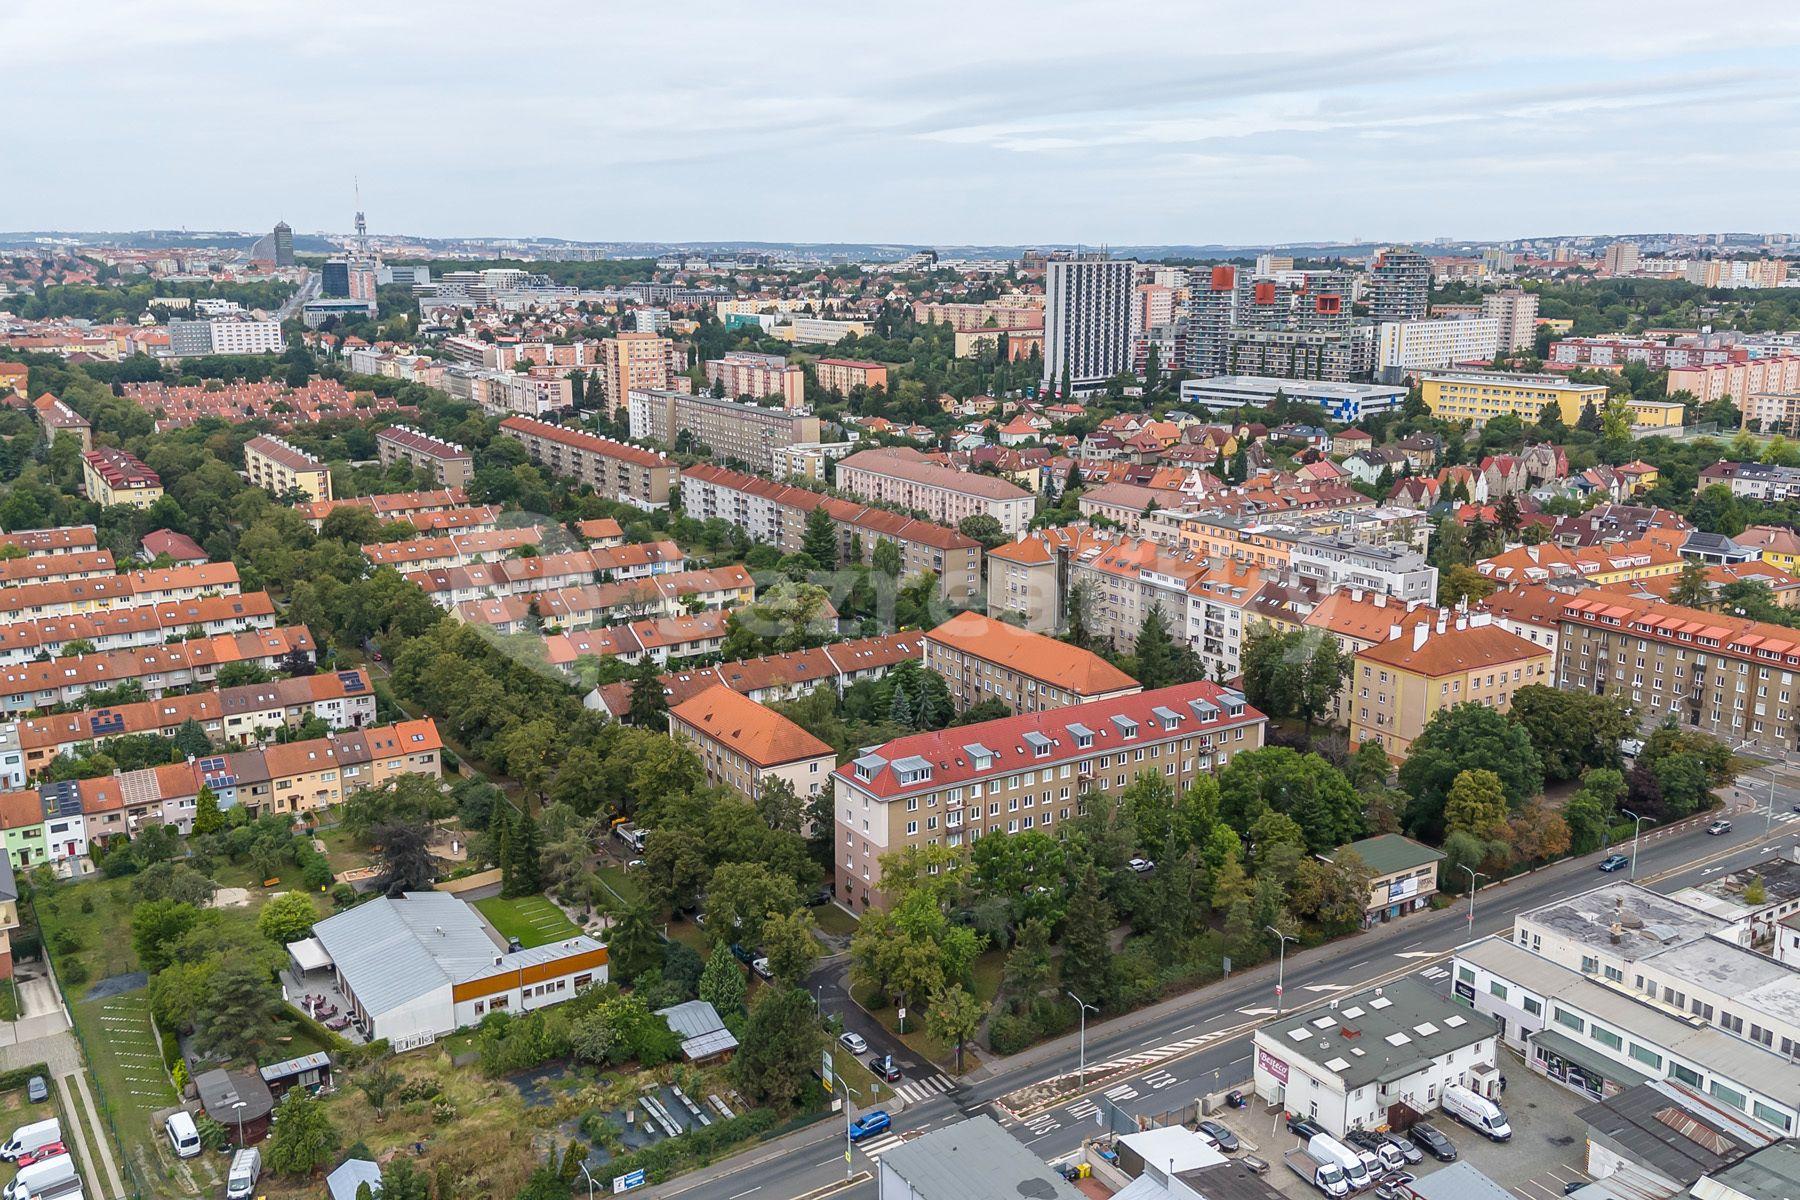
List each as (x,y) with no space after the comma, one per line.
(1591,810)
(1476,803)
(1572,730)
(742,895)
(789,945)
(953,1017)
(1304,787)
(1087,940)
(648,707)
(1299,673)
(779,1050)
(523,867)
(207,817)
(1461,738)
(238,1016)
(1171,905)
(633,946)
(1028,967)
(885,558)
(157,930)
(778,805)
(983,528)
(1155,652)
(1692,588)
(1332,894)
(303,1139)
(287,918)
(819,541)
(722,983)
(191,740)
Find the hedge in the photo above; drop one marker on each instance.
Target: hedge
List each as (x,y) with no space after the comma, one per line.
(18,1077)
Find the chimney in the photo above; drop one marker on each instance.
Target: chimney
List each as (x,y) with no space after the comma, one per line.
(1380,599)
(1480,620)
(1394,631)
(1421,631)
(1462,621)
(1356,595)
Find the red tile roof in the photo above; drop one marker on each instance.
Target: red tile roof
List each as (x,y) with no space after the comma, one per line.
(760,734)
(1030,654)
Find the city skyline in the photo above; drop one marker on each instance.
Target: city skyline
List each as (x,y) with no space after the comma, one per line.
(1005,126)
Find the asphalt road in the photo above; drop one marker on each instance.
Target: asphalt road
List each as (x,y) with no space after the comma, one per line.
(1159,1058)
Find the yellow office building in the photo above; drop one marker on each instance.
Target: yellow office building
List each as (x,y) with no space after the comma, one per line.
(1480,396)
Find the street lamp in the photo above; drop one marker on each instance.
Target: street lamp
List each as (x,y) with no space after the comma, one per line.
(1473,873)
(848,1092)
(1082,1009)
(1636,828)
(238,1108)
(1280,963)
(590,1180)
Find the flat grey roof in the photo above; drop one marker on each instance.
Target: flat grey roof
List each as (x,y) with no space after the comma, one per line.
(1713,1049)
(1270,384)
(1649,921)
(976,1160)
(1458,1181)
(1735,971)
(1780,878)
(1383,1033)
(1769,1174)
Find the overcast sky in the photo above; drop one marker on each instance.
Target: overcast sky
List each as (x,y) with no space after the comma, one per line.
(905,121)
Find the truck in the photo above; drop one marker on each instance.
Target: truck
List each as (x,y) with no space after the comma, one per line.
(1326,1148)
(35,1136)
(41,1178)
(240,1181)
(1477,1112)
(1328,1177)
(68,1189)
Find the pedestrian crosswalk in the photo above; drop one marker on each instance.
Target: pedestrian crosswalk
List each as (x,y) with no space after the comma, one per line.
(1435,973)
(874,1148)
(916,1091)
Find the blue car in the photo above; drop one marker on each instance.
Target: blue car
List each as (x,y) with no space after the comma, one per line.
(869,1124)
(1614,862)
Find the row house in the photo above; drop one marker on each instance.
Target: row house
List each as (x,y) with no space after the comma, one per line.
(131,628)
(661,640)
(158,669)
(55,568)
(247,714)
(59,539)
(389,506)
(29,601)
(457,549)
(638,560)
(653,596)
(773,677)
(1033,771)
(449,587)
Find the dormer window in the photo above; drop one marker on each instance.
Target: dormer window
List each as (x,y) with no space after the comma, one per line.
(1126,726)
(1084,737)
(1040,745)
(1167,717)
(869,765)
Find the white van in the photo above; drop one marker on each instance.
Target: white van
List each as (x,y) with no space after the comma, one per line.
(246,1165)
(28,1138)
(183,1137)
(1328,1149)
(1477,1112)
(41,1177)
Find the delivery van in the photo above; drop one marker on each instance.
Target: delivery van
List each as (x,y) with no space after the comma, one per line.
(183,1137)
(35,1136)
(1477,1112)
(240,1181)
(41,1177)
(1326,1148)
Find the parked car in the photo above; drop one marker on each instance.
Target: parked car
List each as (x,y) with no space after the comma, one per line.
(1433,1142)
(761,967)
(853,1042)
(1614,862)
(1142,865)
(1304,1127)
(1718,827)
(869,1124)
(1575,1185)
(1221,1137)
(36,1090)
(184,1138)
(1374,1143)
(882,1065)
(1404,1144)
(1392,1186)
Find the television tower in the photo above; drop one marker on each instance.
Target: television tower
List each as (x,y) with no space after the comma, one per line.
(362,224)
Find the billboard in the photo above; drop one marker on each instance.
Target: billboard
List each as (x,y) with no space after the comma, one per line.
(1268,1063)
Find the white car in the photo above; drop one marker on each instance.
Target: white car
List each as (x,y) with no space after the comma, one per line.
(1141,865)
(761,967)
(854,1043)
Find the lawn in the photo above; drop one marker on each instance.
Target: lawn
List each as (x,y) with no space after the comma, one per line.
(834,920)
(987,971)
(127,1067)
(532,919)
(619,882)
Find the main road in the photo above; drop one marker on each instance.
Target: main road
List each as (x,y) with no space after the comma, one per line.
(1164,1056)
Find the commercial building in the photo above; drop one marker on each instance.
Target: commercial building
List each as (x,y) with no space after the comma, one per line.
(1343,562)
(613,469)
(631,362)
(743,373)
(1479,397)
(1399,285)
(973,1159)
(1087,322)
(984,659)
(842,375)
(1024,772)
(451,465)
(1374,1054)
(1594,1035)
(283,235)
(943,494)
(1661,1138)
(724,430)
(742,745)
(112,476)
(1403,875)
(422,965)
(1399,684)
(190,339)
(1405,347)
(1344,403)
(1724,675)
(280,467)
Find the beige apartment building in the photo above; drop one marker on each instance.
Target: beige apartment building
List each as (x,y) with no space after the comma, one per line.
(965,318)
(984,659)
(1725,676)
(841,375)
(112,476)
(630,361)
(775,513)
(743,745)
(280,467)
(615,470)
(451,465)
(943,494)
(1028,577)
(1032,771)
(745,373)
(1398,685)
(729,430)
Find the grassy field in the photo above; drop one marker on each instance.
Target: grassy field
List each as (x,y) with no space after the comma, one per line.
(532,919)
(832,919)
(127,1066)
(619,882)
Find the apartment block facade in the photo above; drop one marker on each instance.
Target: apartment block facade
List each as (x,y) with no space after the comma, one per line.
(1479,397)
(280,467)
(116,477)
(633,361)
(730,430)
(943,494)
(1034,771)
(842,375)
(451,465)
(743,373)
(1396,686)
(984,659)
(614,469)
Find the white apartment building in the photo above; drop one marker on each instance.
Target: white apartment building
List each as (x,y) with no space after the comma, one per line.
(1088,321)
(1402,347)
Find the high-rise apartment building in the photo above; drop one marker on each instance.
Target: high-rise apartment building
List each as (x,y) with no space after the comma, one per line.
(1087,321)
(744,373)
(1516,312)
(1400,285)
(1211,312)
(729,429)
(632,362)
(284,244)
(1621,258)
(334,278)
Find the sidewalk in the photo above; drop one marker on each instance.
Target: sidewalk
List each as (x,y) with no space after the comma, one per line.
(831,1129)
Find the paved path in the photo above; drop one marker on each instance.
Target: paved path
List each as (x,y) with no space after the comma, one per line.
(79,1078)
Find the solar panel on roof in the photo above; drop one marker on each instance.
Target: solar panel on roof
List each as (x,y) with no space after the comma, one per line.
(351,680)
(106,723)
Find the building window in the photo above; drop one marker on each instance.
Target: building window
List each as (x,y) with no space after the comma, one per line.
(1568,1019)
(1606,1037)
(1685,1075)
(1771,1116)
(1729,1095)
(1647,1056)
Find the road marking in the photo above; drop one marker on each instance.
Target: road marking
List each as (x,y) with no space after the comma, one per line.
(880,1146)
(1159,1080)
(1123,1092)
(1327,987)
(1435,973)
(1183,1029)
(1081,1110)
(1257,1012)
(747,1191)
(1415,953)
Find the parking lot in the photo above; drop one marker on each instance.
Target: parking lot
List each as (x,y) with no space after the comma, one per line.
(1547,1151)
